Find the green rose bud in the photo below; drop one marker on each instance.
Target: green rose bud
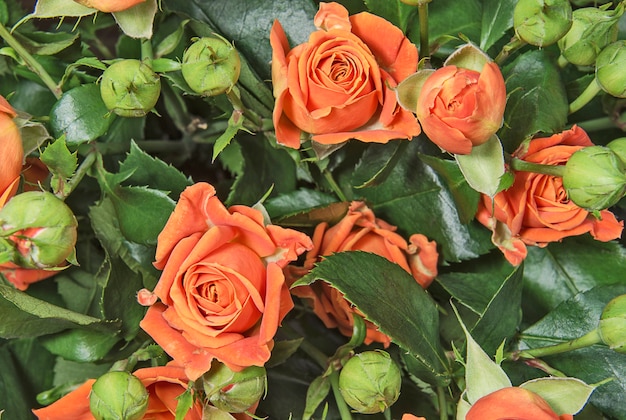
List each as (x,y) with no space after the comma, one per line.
(592,30)
(610,65)
(613,324)
(618,146)
(595,178)
(130,88)
(118,395)
(234,392)
(211,66)
(41,228)
(542,22)
(370,382)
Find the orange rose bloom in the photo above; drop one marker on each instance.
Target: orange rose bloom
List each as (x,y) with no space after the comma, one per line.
(222,290)
(12,155)
(408,416)
(338,85)
(360,230)
(513,403)
(535,210)
(460,108)
(164,385)
(109,6)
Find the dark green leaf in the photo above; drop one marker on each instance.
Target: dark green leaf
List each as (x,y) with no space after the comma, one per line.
(80,115)
(247,23)
(377,163)
(59,159)
(537,100)
(405,312)
(15,398)
(297,202)
(25,316)
(317,392)
(68,372)
(571,319)
(46,43)
(394,11)
(497,19)
(80,345)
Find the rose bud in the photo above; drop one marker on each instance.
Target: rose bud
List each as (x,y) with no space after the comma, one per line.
(370,382)
(211,66)
(595,178)
(42,228)
(542,23)
(610,65)
(118,395)
(592,29)
(618,146)
(613,324)
(130,88)
(234,392)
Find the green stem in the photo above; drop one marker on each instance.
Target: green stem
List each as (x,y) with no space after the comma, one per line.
(523,166)
(513,45)
(235,99)
(333,185)
(422,10)
(78,175)
(586,96)
(443,405)
(586,340)
(31,63)
(146,50)
(597,124)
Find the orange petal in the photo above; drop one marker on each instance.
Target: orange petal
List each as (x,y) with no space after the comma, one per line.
(74,405)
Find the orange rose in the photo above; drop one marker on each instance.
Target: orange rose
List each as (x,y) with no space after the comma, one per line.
(164,385)
(338,85)
(222,290)
(535,210)
(513,403)
(460,108)
(360,230)
(412,417)
(12,155)
(109,6)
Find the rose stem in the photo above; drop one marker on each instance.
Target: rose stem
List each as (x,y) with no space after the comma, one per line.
(515,44)
(31,63)
(588,94)
(422,10)
(78,175)
(586,340)
(333,185)
(523,166)
(443,406)
(597,124)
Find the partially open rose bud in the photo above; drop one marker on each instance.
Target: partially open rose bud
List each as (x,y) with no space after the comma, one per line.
(595,178)
(592,29)
(211,66)
(41,227)
(370,382)
(542,22)
(610,65)
(118,395)
(613,324)
(234,392)
(130,88)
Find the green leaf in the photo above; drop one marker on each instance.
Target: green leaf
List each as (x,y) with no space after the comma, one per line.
(497,19)
(300,201)
(80,345)
(80,115)
(16,400)
(152,172)
(235,123)
(377,163)
(56,8)
(26,316)
(247,23)
(171,41)
(59,160)
(185,401)
(137,21)
(484,166)
(574,318)
(394,11)
(565,395)
(317,392)
(416,200)
(405,312)
(465,197)
(537,101)
(492,291)
(46,43)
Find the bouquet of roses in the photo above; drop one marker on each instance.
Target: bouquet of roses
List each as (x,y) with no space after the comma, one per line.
(243,209)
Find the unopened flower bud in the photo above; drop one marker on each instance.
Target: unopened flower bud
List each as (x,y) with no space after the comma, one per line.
(211,66)
(130,88)
(592,30)
(595,178)
(542,22)
(41,227)
(610,65)
(618,146)
(118,395)
(613,324)
(234,392)
(370,382)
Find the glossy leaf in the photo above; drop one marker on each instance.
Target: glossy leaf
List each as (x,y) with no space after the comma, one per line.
(537,101)
(80,115)
(80,345)
(301,202)
(59,159)
(405,312)
(571,319)
(497,19)
(377,163)
(394,11)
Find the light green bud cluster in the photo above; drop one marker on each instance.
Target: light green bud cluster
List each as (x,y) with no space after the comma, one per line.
(211,66)
(234,392)
(610,66)
(542,22)
(118,395)
(130,88)
(613,324)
